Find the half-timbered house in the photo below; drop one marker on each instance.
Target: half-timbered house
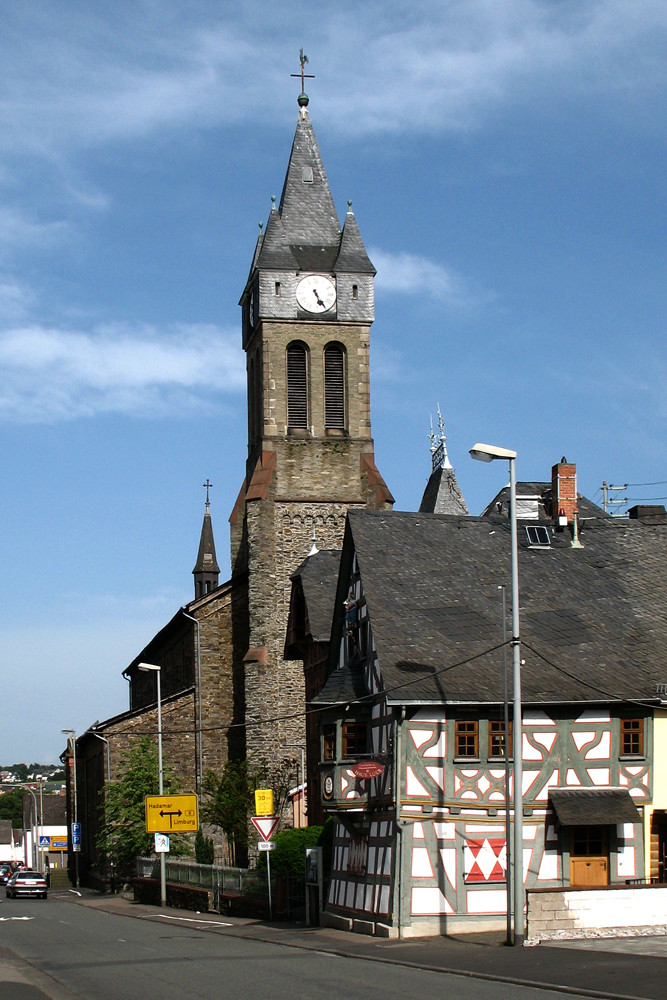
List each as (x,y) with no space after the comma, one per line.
(413,764)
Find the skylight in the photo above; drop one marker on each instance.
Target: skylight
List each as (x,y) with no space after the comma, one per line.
(538,536)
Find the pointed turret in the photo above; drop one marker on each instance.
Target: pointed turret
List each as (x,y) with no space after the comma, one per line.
(442,494)
(206,571)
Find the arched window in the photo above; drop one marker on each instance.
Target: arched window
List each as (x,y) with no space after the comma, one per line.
(334,386)
(297,385)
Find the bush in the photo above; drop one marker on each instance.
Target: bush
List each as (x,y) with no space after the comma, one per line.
(289,856)
(204,851)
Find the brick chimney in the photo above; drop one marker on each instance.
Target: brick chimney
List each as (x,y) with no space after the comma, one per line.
(564,491)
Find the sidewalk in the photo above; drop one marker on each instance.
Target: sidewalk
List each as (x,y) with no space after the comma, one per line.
(629,968)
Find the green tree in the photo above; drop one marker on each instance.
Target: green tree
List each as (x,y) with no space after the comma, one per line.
(11,807)
(289,856)
(229,799)
(123,834)
(204,850)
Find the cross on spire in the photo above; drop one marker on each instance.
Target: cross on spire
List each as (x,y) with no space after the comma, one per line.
(207,486)
(303,59)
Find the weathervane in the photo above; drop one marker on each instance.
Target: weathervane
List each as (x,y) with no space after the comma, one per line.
(302,99)
(439,456)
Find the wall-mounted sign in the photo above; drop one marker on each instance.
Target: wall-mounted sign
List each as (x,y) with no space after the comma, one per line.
(367,769)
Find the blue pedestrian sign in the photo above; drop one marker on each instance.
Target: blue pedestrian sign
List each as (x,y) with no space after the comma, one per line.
(45,842)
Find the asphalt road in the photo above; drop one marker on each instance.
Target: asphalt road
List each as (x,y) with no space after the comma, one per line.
(63,948)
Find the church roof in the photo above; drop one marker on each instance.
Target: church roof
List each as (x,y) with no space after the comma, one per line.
(443,494)
(319,575)
(206,559)
(593,618)
(303,232)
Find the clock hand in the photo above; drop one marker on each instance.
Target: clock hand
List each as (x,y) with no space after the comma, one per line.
(319,300)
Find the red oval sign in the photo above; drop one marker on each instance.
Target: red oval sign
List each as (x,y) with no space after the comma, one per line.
(367,769)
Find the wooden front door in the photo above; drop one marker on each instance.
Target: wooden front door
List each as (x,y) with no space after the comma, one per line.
(589,856)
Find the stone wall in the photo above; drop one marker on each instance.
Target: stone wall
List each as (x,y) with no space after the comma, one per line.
(610,911)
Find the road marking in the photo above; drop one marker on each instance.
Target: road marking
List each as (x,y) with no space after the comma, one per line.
(193,920)
(17,918)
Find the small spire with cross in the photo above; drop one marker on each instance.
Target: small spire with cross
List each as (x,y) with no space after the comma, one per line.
(302,99)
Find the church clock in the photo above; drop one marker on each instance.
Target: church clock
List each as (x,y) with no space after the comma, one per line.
(316,293)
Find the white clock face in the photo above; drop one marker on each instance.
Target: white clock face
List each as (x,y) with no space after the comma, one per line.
(316,293)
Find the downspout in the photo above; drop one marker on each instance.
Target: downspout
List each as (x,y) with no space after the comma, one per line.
(398,726)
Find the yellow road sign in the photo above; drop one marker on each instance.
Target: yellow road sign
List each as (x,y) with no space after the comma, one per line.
(171,814)
(264,801)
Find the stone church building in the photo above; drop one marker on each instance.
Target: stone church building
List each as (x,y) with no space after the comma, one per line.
(227,690)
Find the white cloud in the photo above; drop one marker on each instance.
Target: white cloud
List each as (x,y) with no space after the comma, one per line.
(52,375)
(411,274)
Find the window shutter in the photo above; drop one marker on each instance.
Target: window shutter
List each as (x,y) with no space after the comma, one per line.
(297,386)
(334,386)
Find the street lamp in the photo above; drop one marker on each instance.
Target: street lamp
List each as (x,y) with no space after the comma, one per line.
(152,667)
(71,735)
(490,453)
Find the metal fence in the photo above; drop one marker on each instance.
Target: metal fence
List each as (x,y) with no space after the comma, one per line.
(230,886)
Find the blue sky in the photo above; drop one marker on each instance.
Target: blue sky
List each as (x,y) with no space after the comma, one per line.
(506,163)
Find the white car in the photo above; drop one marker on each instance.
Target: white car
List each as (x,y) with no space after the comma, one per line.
(25,882)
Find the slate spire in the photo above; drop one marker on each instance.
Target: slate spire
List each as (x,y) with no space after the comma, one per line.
(442,494)
(206,571)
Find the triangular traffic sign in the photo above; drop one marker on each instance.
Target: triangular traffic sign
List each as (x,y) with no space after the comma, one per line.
(265,825)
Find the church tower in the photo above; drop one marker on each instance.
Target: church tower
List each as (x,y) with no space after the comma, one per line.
(206,571)
(307,311)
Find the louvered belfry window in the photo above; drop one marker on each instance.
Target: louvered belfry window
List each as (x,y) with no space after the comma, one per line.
(334,386)
(297,386)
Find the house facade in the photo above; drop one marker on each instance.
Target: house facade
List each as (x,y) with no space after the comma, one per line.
(413,736)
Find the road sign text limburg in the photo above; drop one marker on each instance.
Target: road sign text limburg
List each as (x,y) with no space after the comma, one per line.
(171,814)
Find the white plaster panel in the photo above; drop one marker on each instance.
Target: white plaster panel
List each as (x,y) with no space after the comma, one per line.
(590,715)
(582,737)
(428,901)
(438,775)
(383,906)
(486,829)
(448,860)
(371,861)
(529,751)
(536,717)
(548,867)
(349,894)
(572,778)
(600,776)
(368,904)
(487,901)
(626,830)
(551,782)
(412,809)
(383,829)
(445,831)
(420,736)
(547,740)
(529,832)
(417,831)
(421,863)
(413,785)
(602,751)
(439,749)
(387,862)
(429,715)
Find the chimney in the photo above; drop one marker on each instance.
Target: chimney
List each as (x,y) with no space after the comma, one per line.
(564,492)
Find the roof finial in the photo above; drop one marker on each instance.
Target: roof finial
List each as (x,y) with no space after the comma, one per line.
(302,99)
(207,486)
(314,549)
(439,456)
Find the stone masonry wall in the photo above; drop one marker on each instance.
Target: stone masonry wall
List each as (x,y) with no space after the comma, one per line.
(605,912)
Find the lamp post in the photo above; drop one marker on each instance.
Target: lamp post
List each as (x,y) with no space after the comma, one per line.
(490,453)
(153,668)
(71,735)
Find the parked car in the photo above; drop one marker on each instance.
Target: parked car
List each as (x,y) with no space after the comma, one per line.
(5,871)
(25,882)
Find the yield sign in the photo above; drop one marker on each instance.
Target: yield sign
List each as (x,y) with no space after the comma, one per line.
(265,825)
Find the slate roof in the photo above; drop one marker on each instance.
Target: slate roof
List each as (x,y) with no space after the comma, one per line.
(593,619)
(443,494)
(319,575)
(593,806)
(206,547)
(303,232)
